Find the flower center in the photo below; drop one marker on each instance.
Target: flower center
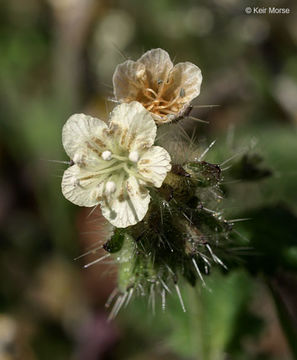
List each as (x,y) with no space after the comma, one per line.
(114,172)
(158,105)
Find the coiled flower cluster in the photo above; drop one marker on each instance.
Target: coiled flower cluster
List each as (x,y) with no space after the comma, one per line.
(163,229)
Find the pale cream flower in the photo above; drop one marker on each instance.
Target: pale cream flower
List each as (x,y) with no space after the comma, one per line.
(114,165)
(163,89)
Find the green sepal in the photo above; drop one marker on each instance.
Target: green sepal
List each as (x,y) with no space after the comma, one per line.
(126,264)
(115,243)
(204,173)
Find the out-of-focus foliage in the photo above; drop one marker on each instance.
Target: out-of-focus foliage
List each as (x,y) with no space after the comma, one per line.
(57,58)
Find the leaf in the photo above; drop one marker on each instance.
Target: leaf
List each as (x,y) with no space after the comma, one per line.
(212,315)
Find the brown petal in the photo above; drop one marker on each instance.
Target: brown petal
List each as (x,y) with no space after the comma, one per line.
(128,80)
(184,81)
(158,65)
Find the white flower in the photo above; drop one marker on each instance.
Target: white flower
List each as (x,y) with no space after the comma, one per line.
(114,165)
(163,89)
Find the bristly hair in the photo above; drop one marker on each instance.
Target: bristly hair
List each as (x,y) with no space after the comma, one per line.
(183,235)
(180,237)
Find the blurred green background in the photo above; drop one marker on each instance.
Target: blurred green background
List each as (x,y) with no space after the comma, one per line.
(57,57)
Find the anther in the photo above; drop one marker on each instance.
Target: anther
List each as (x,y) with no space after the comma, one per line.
(110,187)
(106,155)
(133,156)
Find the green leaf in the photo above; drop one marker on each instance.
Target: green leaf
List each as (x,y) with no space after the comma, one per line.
(212,315)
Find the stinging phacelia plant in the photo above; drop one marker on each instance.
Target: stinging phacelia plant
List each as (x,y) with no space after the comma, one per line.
(163,229)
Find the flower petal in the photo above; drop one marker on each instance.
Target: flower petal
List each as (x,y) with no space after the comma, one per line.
(154,165)
(80,187)
(133,126)
(83,133)
(184,81)
(158,65)
(129,207)
(128,80)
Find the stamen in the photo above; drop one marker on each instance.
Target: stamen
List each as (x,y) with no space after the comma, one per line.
(110,187)
(134,156)
(148,96)
(119,157)
(120,183)
(106,155)
(169,103)
(151,91)
(135,174)
(104,171)
(150,107)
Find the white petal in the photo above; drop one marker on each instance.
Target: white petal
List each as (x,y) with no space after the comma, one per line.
(154,165)
(128,80)
(133,126)
(129,207)
(83,132)
(158,65)
(184,80)
(80,187)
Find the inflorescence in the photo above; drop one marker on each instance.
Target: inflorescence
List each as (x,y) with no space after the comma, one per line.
(165,223)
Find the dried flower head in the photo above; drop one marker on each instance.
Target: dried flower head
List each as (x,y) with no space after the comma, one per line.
(114,165)
(163,89)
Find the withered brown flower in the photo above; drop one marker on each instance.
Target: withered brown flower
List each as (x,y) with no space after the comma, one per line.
(163,89)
